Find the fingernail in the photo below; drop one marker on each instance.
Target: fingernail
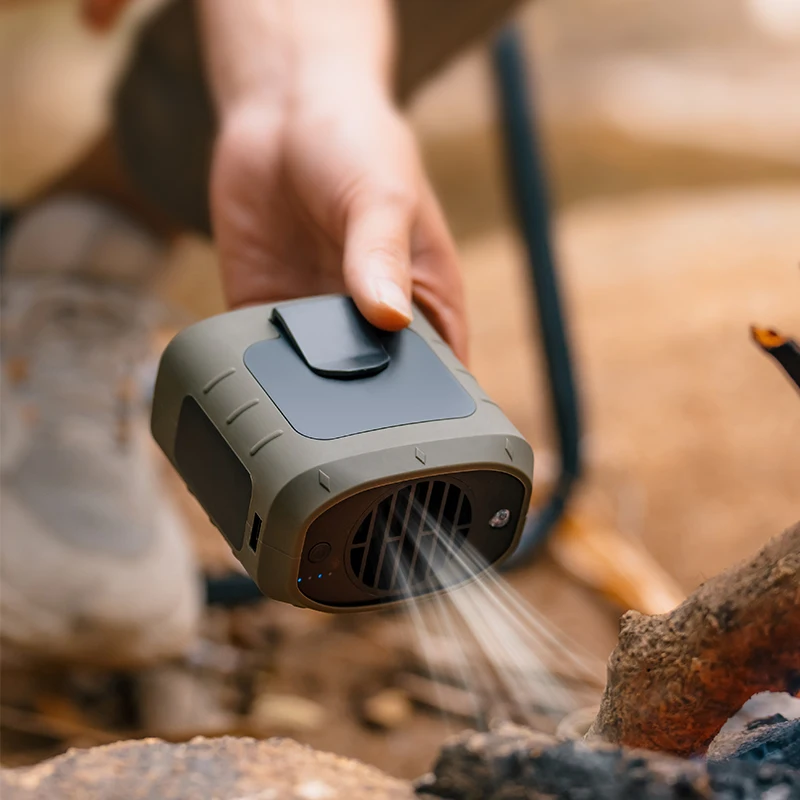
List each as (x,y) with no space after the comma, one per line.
(390,295)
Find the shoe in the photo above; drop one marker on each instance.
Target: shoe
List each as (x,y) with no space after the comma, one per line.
(95,566)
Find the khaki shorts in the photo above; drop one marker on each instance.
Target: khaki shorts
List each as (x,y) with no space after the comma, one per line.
(163,118)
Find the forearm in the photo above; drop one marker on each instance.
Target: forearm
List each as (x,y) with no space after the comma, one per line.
(273,51)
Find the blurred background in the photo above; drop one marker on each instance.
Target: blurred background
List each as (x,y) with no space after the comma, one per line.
(671,133)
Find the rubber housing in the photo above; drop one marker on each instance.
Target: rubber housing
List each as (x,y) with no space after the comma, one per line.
(301,460)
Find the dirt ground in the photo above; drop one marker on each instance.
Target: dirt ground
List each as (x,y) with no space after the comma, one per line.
(691,433)
(669,248)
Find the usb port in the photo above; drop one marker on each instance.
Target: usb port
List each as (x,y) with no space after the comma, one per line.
(255,532)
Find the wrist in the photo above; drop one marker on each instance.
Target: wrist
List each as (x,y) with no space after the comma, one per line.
(342,42)
(321,102)
(283,53)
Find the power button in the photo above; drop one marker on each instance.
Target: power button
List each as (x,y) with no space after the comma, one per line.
(319,552)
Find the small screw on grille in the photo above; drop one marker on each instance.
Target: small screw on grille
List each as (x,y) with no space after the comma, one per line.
(500,518)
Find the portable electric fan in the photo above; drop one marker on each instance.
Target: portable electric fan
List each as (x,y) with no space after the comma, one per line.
(368,457)
(347,467)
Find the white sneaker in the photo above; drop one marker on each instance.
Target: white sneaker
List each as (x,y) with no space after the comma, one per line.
(94,563)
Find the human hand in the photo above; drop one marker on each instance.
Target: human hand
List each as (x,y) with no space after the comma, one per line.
(330,195)
(317,185)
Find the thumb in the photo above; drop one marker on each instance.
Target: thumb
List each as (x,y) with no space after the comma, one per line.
(377,259)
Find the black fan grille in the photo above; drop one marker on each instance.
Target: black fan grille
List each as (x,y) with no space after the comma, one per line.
(408,539)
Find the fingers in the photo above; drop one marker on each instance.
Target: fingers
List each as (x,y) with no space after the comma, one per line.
(395,248)
(377,258)
(436,273)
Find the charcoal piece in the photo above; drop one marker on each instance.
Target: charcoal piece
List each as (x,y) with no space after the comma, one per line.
(517,764)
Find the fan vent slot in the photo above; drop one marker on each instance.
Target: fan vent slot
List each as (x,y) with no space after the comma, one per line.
(411,538)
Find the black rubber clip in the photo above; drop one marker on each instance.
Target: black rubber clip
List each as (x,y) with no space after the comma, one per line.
(332,337)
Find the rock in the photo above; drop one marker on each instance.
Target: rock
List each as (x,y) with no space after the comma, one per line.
(774,739)
(760,706)
(286,713)
(509,762)
(388,709)
(224,769)
(178,704)
(674,679)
